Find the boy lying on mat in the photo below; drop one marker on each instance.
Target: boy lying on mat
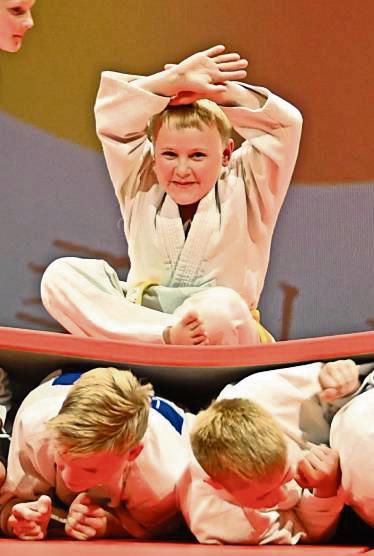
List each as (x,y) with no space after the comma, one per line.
(199,218)
(259,472)
(100,454)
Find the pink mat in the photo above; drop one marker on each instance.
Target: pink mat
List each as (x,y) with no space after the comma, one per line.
(10,547)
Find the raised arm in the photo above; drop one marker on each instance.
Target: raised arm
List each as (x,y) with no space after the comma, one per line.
(265,161)
(125,103)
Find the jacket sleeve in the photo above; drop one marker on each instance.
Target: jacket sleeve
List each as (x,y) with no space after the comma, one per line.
(266,159)
(31,469)
(122,114)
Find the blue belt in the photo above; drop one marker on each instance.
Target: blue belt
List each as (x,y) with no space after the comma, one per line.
(167,409)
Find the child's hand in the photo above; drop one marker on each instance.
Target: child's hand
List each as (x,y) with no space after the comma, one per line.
(205,73)
(85,519)
(29,520)
(319,470)
(338,379)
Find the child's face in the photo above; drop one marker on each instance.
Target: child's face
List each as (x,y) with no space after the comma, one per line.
(86,471)
(189,161)
(254,494)
(15,20)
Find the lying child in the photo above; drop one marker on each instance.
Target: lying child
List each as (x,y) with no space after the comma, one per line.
(258,473)
(199,218)
(103,451)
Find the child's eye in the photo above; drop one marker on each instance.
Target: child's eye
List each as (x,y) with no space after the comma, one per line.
(199,155)
(17,10)
(169,154)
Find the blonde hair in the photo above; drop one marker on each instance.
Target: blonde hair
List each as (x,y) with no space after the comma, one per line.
(182,116)
(106,410)
(240,438)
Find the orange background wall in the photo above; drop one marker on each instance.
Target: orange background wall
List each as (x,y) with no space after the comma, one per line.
(317,53)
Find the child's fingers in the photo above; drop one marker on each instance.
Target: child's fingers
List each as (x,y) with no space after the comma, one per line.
(82,498)
(306,469)
(329,394)
(95,523)
(32,536)
(230,76)
(76,528)
(28,526)
(44,504)
(79,509)
(81,531)
(95,511)
(231,57)
(233,66)
(214,50)
(24,512)
(28,531)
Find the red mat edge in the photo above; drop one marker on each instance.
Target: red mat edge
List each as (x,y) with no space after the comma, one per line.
(291,351)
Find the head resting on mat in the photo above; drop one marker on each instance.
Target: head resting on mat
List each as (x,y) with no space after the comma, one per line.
(99,428)
(106,410)
(242,449)
(352,436)
(191,144)
(15,21)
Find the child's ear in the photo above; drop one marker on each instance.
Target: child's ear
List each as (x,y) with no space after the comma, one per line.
(227,152)
(134,452)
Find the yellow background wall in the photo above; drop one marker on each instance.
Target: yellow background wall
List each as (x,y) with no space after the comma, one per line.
(317,53)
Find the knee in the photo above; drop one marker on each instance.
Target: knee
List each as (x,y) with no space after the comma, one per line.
(229,302)
(55,274)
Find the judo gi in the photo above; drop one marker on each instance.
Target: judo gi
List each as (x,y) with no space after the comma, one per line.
(228,243)
(291,396)
(146,493)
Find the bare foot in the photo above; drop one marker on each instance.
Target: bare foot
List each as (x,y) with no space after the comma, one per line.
(187,332)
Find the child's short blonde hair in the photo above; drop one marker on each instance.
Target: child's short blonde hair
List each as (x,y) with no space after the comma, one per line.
(106,410)
(182,116)
(238,437)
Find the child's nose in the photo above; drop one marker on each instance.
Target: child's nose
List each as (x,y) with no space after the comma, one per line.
(182,168)
(28,21)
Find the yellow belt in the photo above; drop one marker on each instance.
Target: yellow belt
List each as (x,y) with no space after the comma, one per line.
(265,336)
(135,295)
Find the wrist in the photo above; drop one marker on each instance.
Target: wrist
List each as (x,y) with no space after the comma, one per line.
(163,83)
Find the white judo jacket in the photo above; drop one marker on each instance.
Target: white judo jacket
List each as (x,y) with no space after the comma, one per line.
(229,241)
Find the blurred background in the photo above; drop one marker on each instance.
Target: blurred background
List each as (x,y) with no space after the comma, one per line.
(56,196)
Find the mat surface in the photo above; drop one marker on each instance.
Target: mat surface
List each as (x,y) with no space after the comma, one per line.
(10,547)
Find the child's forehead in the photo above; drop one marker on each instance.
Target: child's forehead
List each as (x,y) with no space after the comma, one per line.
(202,133)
